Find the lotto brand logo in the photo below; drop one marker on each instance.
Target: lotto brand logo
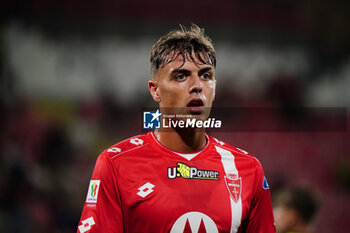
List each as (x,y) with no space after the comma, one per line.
(86,224)
(194,222)
(145,190)
(151,119)
(94,186)
(187,172)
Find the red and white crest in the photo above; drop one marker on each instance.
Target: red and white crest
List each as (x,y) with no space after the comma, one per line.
(234,186)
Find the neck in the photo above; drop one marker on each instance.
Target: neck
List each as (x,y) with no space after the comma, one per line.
(182,140)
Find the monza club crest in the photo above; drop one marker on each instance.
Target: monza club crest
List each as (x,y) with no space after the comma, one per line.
(234,186)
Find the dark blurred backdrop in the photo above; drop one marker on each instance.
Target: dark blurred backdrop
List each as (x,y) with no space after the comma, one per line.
(73,81)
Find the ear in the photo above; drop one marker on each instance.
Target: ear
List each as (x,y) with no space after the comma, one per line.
(153,89)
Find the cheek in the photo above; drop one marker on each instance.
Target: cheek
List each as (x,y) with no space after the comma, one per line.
(211,92)
(282,219)
(169,95)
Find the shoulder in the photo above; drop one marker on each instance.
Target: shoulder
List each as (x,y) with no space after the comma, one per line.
(127,146)
(239,153)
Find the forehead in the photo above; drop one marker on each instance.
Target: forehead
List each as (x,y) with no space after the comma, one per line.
(175,61)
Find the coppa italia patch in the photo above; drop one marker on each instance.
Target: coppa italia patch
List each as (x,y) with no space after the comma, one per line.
(92,194)
(187,172)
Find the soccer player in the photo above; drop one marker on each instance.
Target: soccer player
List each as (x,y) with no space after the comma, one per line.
(178,180)
(295,210)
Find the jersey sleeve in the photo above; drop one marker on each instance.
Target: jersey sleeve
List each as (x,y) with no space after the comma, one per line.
(261,218)
(102,209)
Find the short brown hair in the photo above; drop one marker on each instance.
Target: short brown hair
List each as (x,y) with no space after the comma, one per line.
(305,202)
(185,43)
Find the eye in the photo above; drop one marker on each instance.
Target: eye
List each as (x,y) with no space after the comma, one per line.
(180,77)
(207,76)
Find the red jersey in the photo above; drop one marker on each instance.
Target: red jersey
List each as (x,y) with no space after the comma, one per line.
(138,185)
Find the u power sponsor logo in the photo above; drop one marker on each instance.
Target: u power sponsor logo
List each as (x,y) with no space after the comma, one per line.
(187,172)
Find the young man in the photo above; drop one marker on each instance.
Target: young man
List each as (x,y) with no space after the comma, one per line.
(179,179)
(295,210)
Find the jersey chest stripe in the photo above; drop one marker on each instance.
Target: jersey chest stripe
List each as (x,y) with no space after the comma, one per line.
(228,162)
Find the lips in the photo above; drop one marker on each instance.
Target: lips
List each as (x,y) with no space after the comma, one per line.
(195,105)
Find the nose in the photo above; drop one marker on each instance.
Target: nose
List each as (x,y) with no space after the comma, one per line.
(196,85)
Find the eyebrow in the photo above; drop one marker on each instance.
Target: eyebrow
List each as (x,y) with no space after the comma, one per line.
(187,72)
(181,71)
(204,70)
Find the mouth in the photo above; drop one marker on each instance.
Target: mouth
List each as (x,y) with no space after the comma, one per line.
(195,106)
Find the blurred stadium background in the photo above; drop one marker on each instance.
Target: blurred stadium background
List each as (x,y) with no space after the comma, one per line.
(73,77)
